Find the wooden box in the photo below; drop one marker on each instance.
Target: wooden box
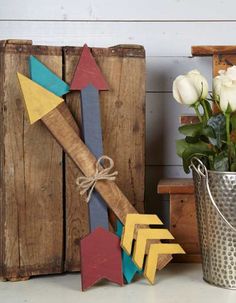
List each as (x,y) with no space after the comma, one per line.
(183,220)
(42,216)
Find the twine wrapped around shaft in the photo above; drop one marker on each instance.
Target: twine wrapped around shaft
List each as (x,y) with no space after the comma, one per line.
(88,183)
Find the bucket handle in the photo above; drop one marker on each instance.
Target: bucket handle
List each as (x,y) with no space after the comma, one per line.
(201,170)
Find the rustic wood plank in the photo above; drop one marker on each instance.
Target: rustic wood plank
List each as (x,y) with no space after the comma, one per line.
(43,175)
(32,202)
(175,186)
(2,161)
(209,50)
(123,120)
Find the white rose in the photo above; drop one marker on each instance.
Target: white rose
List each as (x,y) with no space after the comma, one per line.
(218,81)
(189,88)
(228,96)
(230,73)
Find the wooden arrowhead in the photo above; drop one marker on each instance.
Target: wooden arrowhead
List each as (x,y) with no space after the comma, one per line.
(38,100)
(42,75)
(100,258)
(87,72)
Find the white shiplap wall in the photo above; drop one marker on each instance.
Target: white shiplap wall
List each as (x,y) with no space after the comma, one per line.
(167,29)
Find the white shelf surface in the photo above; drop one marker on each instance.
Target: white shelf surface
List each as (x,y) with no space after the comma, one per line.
(177,283)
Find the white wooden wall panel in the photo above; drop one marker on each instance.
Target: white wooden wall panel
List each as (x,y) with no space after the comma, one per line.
(159,38)
(162,70)
(162,122)
(161,10)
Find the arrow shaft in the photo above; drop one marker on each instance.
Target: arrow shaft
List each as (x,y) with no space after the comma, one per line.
(85,160)
(92,132)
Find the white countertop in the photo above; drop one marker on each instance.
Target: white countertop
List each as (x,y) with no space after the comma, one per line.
(177,283)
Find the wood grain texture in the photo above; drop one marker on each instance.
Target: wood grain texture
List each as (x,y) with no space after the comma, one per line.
(175,186)
(183,223)
(209,50)
(31,176)
(182,214)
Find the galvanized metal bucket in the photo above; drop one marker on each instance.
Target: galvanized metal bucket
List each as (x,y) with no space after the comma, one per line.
(216,213)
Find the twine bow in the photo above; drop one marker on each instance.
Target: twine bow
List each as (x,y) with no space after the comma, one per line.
(88,183)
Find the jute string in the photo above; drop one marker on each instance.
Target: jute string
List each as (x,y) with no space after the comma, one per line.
(87,184)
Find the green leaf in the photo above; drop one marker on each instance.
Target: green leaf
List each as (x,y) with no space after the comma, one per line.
(197,130)
(233,122)
(181,145)
(199,149)
(218,124)
(221,162)
(191,130)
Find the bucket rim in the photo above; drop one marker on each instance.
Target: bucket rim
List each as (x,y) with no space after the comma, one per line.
(222,172)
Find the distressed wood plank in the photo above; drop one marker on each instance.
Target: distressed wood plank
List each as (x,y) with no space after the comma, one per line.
(175,186)
(43,177)
(32,201)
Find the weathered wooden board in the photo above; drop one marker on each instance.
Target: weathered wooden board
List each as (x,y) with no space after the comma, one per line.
(123,116)
(31,174)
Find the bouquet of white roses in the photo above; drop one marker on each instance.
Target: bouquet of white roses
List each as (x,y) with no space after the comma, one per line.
(213,138)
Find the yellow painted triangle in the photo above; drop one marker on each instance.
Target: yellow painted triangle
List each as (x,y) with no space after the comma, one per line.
(38,100)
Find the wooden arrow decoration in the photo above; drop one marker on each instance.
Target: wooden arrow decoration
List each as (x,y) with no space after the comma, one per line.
(141,244)
(98,263)
(89,80)
(61,128)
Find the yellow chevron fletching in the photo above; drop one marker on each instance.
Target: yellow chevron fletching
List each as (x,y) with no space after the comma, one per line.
(147,242)
(143,235)
(38,100)
(152,257)
(129,228)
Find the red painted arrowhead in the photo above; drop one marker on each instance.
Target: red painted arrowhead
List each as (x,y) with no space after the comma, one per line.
(87,72)
(100,258)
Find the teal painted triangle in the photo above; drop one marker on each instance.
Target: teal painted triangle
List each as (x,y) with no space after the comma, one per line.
(128,266)
(42,75)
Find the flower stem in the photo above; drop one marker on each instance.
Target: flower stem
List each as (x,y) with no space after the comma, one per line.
(195,106)
(227,120)
(206,114)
